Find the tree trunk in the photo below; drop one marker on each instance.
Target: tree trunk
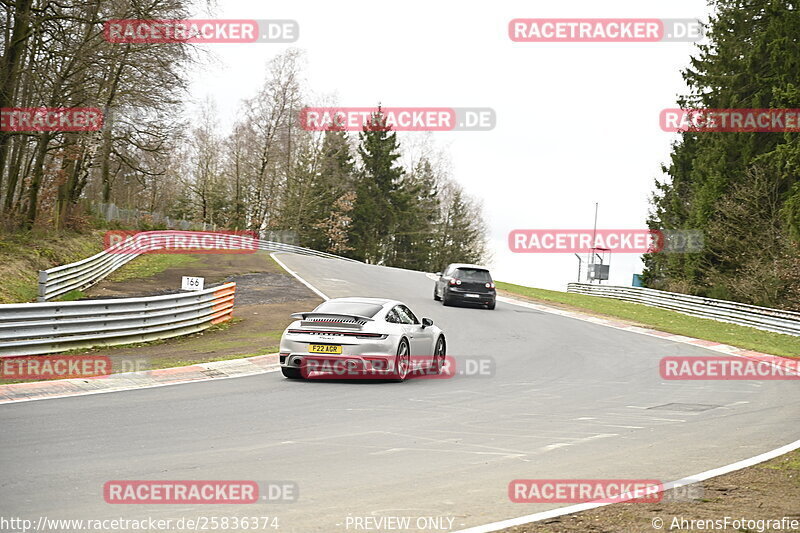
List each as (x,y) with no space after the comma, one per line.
(36,179)
(9,69)
(105,163)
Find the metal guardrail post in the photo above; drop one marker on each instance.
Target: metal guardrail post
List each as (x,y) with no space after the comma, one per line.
(42,291)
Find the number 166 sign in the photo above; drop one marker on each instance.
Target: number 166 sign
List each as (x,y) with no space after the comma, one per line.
(188,283)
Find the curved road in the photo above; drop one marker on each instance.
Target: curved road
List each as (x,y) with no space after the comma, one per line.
(569,399)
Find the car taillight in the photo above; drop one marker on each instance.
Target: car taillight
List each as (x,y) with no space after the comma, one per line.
(490,285)
(455,281)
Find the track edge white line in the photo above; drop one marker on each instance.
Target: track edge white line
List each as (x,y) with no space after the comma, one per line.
(297,276)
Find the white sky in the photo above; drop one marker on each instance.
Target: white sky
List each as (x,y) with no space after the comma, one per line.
(577,123)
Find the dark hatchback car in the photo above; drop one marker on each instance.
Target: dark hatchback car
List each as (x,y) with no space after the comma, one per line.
(463,283)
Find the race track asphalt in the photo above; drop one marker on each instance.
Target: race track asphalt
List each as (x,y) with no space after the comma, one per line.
(567,399)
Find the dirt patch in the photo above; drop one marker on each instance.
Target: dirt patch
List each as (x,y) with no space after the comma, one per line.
(769,491)
(215,268)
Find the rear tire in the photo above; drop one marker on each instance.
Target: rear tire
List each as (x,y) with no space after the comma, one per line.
(491,306)
(439,355)
(402,367)
(291,373)
(436,294)
(445,300)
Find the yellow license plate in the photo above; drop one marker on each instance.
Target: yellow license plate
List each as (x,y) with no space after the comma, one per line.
(324,348)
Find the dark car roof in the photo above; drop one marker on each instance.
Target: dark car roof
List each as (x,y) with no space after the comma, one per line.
(467,265)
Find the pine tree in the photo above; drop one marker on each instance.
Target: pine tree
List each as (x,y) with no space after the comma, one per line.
(461,237)
(752,60)
(334,177)
(374,212)
(417,207)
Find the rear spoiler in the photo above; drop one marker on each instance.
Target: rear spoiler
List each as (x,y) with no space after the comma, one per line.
(312,314)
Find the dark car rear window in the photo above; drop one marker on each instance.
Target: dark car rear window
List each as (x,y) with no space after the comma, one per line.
(350,308)
(472,274)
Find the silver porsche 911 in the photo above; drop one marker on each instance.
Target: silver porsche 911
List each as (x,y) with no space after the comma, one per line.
(364,336)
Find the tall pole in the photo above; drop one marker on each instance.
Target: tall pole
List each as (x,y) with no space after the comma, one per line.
(579,267)
(589,256)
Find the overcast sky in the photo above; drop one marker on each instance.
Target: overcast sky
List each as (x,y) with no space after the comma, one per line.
(577,123)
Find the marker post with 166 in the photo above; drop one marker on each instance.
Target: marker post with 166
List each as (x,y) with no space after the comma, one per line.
(189,283)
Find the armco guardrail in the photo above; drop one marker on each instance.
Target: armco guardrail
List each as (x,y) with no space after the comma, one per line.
(82,274)
(776,320)
(38,328)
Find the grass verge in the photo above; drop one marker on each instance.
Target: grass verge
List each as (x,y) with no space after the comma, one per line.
(23,254)
(664,320)
(211,341)
(207,346)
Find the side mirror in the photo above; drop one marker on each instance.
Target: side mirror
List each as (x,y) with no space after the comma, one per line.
(426,322)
